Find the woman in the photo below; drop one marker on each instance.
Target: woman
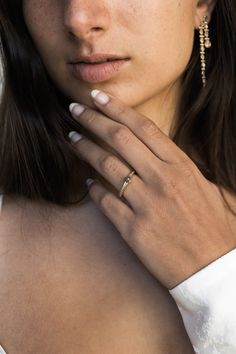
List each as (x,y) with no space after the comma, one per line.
(97,272)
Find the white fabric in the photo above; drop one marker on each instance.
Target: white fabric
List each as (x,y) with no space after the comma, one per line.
(2,351)
(207,303)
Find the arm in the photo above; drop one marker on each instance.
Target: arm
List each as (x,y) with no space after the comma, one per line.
(207,303)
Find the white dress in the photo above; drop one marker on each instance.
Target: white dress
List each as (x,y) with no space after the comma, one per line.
(207,303)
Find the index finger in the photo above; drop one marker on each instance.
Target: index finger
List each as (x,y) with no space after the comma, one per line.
(144,128)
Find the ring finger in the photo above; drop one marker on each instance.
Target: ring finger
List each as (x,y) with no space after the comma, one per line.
(111,168)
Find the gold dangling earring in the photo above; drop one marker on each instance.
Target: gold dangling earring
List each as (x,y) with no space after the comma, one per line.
(204,43)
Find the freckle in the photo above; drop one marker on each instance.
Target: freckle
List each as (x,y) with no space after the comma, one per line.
(134,9)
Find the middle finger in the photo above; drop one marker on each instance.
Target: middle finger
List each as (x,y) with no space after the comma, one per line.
(123,141)
(112,169)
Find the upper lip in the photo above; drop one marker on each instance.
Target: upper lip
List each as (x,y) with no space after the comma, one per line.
(96,57)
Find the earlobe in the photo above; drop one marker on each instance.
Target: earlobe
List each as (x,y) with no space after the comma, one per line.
(203,8)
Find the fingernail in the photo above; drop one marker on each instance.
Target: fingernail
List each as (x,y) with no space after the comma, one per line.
(76,108)
(74,137)
(100,96)
(89,181)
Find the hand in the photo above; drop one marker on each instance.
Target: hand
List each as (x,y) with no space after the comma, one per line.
(172,217)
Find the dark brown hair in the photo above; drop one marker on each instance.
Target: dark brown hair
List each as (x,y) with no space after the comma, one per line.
(35,155)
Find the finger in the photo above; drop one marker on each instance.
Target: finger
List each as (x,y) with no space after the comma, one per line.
(115,210)
(121,140)
(144,128)
(111,168)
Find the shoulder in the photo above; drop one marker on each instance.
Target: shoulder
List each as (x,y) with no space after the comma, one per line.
(20,222)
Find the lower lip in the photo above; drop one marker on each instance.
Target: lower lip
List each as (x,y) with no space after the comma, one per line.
(98,72)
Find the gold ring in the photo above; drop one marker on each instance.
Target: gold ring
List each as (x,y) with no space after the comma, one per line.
(127,180)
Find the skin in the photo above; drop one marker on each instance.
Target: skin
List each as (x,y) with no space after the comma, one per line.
(160,53)
(157,35)
(167,187)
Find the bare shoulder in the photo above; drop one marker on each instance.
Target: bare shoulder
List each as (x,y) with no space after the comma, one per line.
(18,216)
(67,273)
(23,231)
(9,223)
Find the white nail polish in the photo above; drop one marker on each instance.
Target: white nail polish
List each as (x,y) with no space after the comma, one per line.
(100,97)
(89,181)
(71,106)
(76,109)
(75,137)
(94,93)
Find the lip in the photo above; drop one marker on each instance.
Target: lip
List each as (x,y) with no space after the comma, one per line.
(95,57)
(98,72)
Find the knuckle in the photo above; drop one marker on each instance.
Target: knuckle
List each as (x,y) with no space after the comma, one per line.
(172,186)
(105,201)
(121,135)
(109,164)
(177,182)
(150,128)
(90,117)
(188,171)
(183,158)
(187,166)
(121,111)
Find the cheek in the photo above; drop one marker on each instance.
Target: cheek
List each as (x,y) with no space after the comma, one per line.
(169,57)
(168,44)
(41,18)
(162,45)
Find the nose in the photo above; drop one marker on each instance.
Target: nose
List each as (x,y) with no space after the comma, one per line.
(86,19)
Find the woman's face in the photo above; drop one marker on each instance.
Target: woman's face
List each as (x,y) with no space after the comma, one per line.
(157,36)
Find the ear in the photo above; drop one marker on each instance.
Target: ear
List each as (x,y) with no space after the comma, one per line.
(204,8)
